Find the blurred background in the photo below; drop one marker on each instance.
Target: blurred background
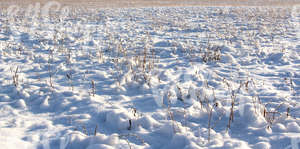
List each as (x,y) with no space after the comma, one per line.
(153,3)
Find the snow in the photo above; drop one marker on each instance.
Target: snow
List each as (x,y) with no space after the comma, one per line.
(165,77)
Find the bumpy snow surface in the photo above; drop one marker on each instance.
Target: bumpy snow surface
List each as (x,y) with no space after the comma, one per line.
(173,78)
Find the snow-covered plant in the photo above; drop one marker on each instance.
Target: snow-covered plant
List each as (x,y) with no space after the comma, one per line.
(212,54)
(15,76)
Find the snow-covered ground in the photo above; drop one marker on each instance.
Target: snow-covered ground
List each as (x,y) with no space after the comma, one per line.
(182,77)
